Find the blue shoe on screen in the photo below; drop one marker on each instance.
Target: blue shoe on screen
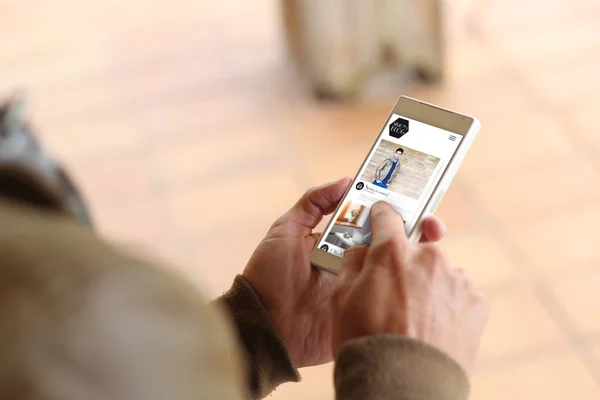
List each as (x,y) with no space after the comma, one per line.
(380,184)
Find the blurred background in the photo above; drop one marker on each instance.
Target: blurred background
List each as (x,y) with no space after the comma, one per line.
(190,128)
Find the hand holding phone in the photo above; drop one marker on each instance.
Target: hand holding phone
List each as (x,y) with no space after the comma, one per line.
(398,287)
(410,166)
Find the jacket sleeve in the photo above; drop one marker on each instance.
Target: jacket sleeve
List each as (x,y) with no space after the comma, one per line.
(393,367)
(378,171)
(371,368)
(269,362)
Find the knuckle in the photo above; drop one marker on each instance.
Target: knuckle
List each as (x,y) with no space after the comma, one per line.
(388,249)
(464,276)
(353,259)
(436,253)
(279,221)
(481,297)
(433,254)
(433,262)
(354,251)
(312,202)
(337,293)
(483,309)
(479,301)
(468,280)
(310,194)
(395,241)
(391,242)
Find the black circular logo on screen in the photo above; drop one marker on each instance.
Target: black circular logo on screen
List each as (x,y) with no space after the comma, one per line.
(399,128)
(360,186)
(324,247)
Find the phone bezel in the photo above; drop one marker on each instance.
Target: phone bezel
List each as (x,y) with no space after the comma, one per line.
(429,114)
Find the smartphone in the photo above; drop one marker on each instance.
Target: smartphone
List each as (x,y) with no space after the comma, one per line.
(410,166)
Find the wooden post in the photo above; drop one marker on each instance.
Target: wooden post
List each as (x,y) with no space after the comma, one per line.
(340,44)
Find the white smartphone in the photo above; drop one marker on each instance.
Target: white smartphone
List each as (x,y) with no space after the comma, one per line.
(410,166)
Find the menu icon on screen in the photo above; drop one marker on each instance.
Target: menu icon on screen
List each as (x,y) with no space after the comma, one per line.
(399,128)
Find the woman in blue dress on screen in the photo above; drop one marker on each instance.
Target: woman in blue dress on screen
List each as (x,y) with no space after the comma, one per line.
(387,170)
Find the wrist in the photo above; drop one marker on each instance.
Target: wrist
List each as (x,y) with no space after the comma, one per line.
(270,361)
(300,337)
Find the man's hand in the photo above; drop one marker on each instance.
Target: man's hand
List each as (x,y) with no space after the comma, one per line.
(296,294)
(409,289)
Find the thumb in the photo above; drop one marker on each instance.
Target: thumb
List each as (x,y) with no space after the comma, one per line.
(316,203)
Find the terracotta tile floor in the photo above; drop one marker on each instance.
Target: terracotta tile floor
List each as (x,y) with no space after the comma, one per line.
(190,135)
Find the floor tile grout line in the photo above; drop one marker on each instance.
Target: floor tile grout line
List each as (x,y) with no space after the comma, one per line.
(275,132)
(527,277)
(179,236)
(111,71)
(493,363)
(302,181)
(546,299)
(577,207)
(240,84)
(546,107)
(579,269)
(199,179)
(189,180)
(484,218)
(540,289)
(174,235)
(531,165)
(575,338)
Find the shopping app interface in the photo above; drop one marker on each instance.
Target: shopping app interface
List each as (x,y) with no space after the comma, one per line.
(403,169)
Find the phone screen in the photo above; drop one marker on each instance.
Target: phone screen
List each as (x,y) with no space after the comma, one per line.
(403,169)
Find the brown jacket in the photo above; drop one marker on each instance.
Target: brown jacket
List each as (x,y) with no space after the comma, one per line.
(82,320)
(384,169)
(378,367)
